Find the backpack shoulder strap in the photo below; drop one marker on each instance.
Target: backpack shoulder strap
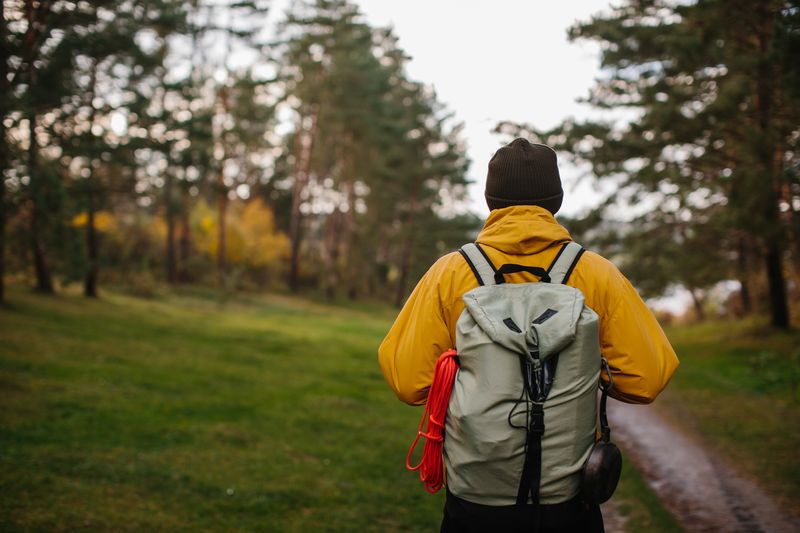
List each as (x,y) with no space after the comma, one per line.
(565,262)
(479,262)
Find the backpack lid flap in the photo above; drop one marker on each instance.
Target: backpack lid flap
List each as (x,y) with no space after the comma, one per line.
(527,317)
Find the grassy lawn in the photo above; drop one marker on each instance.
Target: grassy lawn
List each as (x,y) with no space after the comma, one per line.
(184,413)
(738,388)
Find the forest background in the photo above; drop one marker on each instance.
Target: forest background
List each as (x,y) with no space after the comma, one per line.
(153,143)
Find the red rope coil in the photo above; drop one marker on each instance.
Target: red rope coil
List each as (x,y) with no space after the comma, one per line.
(430,467)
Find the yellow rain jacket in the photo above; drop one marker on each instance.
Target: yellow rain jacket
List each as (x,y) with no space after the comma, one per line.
(639,354)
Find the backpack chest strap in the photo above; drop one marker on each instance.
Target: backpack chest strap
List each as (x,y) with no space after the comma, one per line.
(559,272)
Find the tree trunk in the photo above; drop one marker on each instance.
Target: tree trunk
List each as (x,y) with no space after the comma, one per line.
(92,266)
(744,297)
(352,270)
(405,266)
(304,146)
(697,302)
(2,210)
(222,211)
(35,15)
(405,261)
(294,238)
(779,309)
(184,240)
(222,199)
(5,94)
(169,213)
(44,278)
(775,243)
(770,153)
(90,283)
(170,268)
(744,271)
(333,237)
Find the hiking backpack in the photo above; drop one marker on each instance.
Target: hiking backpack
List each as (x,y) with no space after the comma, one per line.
(521,419)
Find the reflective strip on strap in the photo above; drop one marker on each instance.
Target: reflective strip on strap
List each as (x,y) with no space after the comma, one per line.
(481,267)
(565,262)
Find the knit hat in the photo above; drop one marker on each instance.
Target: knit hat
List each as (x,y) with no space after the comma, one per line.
(522,173)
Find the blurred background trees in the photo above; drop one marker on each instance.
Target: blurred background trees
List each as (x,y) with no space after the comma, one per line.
(701,147)
(148,141)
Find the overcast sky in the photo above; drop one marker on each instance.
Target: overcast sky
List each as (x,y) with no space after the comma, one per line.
(498,60)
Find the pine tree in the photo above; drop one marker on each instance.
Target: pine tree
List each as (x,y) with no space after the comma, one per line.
(72,64)
(32,43)
(5,104)
(371,152)
(237,25)
(114,66)
(713,87)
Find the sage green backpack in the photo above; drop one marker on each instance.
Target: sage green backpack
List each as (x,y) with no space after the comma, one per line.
(522,415)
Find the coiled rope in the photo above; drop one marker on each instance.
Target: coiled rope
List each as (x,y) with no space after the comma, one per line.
(430,467)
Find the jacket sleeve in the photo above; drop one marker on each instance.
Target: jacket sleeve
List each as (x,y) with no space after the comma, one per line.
(639,354)
(408,354)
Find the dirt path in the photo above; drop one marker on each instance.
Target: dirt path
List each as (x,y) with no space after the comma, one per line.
(702,492)
(613,521)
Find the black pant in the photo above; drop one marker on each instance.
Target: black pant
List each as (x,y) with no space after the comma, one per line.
(461,516)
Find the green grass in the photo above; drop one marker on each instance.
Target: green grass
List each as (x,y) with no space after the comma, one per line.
(188,413)
(737,387)
(639,506)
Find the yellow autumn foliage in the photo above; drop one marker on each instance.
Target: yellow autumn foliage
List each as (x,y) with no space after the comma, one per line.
(251,238)
(158,227)
(263,244)
(103,220)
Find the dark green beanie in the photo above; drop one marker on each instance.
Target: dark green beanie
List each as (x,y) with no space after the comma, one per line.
(522,173)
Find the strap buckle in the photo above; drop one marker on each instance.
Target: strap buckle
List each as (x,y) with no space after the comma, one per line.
(606,386)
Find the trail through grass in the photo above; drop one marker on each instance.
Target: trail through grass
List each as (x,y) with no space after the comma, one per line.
(737,388)
(185,414)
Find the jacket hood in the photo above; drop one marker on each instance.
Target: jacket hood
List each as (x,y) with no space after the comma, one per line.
(522,230)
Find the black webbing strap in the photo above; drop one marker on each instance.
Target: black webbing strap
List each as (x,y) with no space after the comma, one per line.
(572,267)
(479,263)
(605,387)
(471,266)
(511,268)
(558,272)
(557,257)
(564,263)
(532,469)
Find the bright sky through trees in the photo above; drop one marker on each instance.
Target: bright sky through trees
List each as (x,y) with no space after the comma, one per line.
(500,60)
(355,123)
